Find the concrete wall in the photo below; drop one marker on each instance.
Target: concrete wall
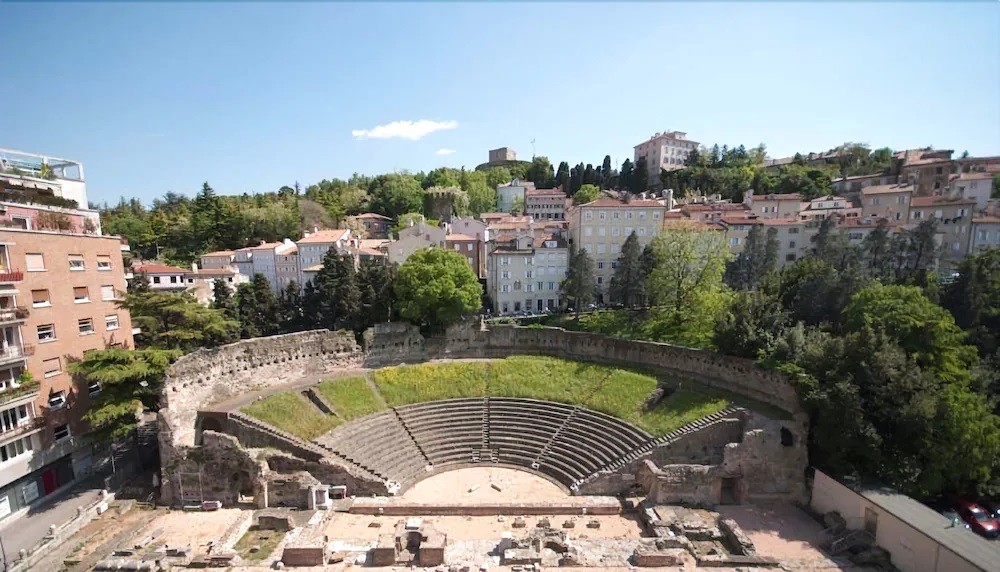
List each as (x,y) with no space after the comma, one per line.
(910,549)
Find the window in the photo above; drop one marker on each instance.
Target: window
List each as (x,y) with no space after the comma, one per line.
(938,171)
(602,231)
(173,280)
(103,262)
(876,202)
(458,247)
(13,418)
(552,285)
(471,261)
(616,214)
(793,230)
(656,215)
(468,247)
(791,244)
(80,295)
(15,448)
(527,274)
(588,231)
(614,264)
(57,400)
(156,279)
(40,299)
(601,248)
(956,246)
(642,231)
(734,241)
(35,262)
(505,274)
(600,280)
(61,432)
(527,287)
(76,262)
(628,215)
(600,265)
(588,216)
(86,326)
(505,288)
(602,215)
(789,258)
(46,333)
(615,248)
(541,286)
(615,231)
(901,200)
(93,388)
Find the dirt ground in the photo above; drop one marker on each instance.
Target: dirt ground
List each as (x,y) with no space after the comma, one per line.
(454,486)
(194,529)
(783,532)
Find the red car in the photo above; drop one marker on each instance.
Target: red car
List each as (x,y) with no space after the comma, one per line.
(979,521)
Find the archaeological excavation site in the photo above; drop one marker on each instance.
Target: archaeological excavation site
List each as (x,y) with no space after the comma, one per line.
(491,447)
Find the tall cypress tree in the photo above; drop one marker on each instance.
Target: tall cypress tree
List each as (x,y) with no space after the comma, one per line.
(578,286)
(291,310)
(627,284)
(223,298)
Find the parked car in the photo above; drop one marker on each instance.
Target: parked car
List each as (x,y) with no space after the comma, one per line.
(991,506)
(979,520)
(953,516)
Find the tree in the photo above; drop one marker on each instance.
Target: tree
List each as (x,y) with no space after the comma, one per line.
(395,194)
(586,194)
(562,176)
(223,298)
(517,206)
(627,285)
(541,173)
(606,173)
(257,308)
(578,286)
(334,294)
(130,381)
(625,176)
(924,330)
(640,177)
(973,298)
(177,321)
(482,196)
(751,326)
(291,311)
(435,287)
(758,258)
(689,264)
(375,279)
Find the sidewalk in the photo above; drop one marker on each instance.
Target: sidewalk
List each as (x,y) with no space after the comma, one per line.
(27,530)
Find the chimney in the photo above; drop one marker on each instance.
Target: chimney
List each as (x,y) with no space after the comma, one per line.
(315,228)
(194,267)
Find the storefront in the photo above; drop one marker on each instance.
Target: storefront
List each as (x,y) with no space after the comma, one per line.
(35,486)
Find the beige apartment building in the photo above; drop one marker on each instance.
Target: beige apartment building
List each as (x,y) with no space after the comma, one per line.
(668,150)
(59,293)
(780,206)
(928,170)
(891,202)
(985,233)
(375,225)
(601,227)
(218,260)
(794,236)
(524,272)
(976,186)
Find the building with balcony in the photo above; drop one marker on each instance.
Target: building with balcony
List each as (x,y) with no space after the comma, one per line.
(524,272)
(57,301)
(545,204)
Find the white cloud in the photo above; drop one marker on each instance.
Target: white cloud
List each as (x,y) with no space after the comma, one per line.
(412,130)
(445,151)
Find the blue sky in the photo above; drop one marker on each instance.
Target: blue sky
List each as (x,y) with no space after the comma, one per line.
(156,97)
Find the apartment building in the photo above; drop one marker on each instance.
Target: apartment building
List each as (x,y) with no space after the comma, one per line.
(601,227)
(667,150)
(201,282)
(854,185)
(218,260)
(524,272)
(985,233)
(977,186)
(891,202)
(545,204)
(468,247)
(773,206)
(477,229)
(954,216)
(830,205)
(162,277)
(375,225)
(510,193)
(398,251)
(57,301)
(713,211)
(243,261)
(312,249)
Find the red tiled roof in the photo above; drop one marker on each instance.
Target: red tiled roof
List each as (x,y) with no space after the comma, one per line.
(739,220)
(884,189)
(988,219)
(159,269)
(219,253)
(326,236)
(459,237)
(266,246)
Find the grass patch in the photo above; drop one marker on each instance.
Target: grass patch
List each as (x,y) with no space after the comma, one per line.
(292,412)
(267,540)
(658,324)
(620,393)
(350,397)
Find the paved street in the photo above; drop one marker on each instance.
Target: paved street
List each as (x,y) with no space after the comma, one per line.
(27,530)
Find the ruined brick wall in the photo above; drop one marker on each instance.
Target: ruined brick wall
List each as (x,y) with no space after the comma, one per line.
(216,471)
(289,490)
(703,447)
(328,472)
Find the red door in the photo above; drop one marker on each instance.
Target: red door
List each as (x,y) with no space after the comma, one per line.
(50,480)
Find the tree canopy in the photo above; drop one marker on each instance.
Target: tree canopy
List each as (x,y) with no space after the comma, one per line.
(435,287)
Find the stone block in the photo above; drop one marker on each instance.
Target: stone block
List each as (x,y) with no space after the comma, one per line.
(519,522)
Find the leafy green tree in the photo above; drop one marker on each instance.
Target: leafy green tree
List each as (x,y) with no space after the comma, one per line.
(435,287)
(541,173)
(334,295)
(130,381)
(751,325)
(395,194)
(924,330)
(257,308)
(442,177)
(815,292)
(482,196)
(995,192)
(517,207)
(627,282)
(177,322)
(689,264)
(586,194)
(973,298)
(578,286)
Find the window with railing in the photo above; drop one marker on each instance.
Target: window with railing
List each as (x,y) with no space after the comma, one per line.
(14,449)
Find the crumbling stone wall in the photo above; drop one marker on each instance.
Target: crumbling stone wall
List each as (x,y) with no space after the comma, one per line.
(290,489)
(225,467)
(702,447)
(328,472)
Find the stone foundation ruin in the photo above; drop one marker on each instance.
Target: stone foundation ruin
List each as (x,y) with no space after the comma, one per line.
(211,452)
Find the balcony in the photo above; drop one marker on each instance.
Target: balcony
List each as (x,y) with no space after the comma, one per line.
(10,276)
(16,314)
(33,424)
(14,353)
(29,389)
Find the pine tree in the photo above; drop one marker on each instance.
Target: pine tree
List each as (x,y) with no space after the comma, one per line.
(640,177)
(606,172)
(375,286)
(291,311)
(347,297)
(759,256)
(223,298)
(177,321)
(562,176)
(257,308)
(578,286)
(625,176)
(627,281)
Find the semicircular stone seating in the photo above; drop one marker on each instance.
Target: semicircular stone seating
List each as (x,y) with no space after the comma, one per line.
(564,442)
